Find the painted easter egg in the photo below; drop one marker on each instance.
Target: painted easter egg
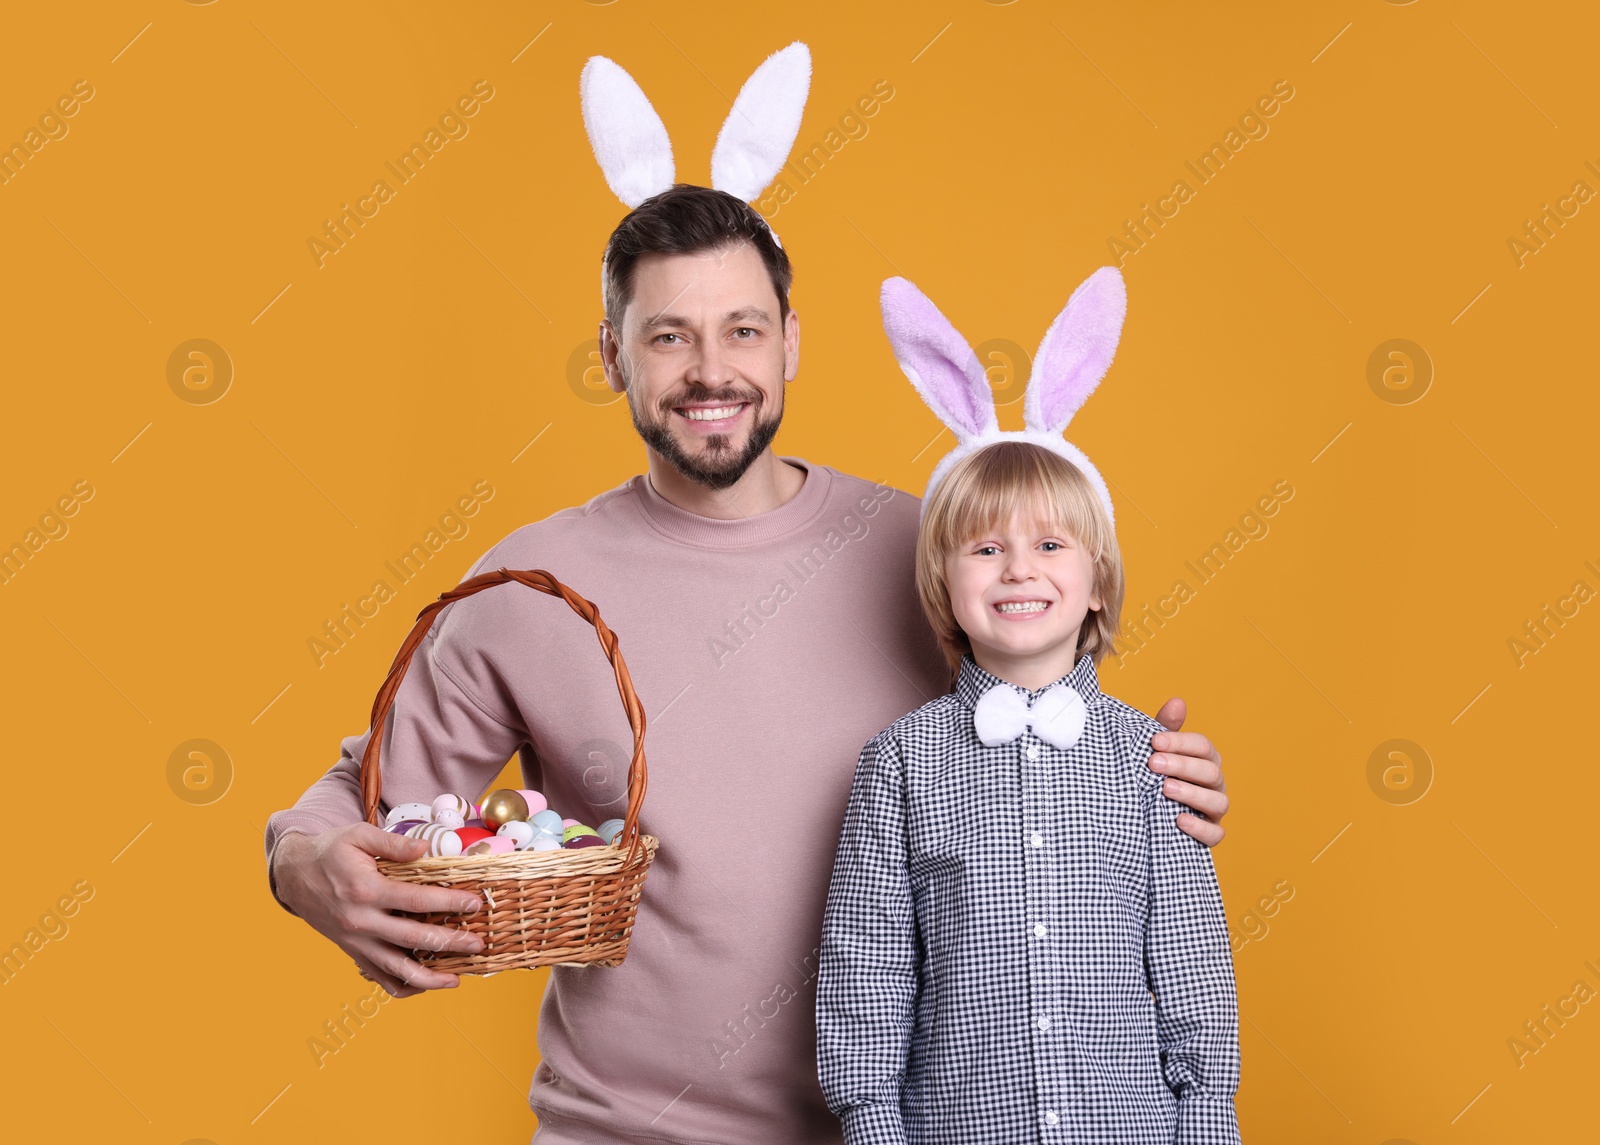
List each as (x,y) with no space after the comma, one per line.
(452,802)
(503,806)
(609,830)
(440,840)
(536,802)
(546,821)
(545,843)
(577,841)
(519,832)
(574,831)
(470,835)
(405,825)
(493,845)
(399,814)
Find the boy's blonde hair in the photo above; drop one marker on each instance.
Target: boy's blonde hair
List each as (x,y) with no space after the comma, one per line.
(982,492)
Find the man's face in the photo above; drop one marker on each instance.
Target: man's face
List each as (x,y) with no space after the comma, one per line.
(703,360)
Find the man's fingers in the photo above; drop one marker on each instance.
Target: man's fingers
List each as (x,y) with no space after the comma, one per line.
(1172,714)
(409,934)
(1200,772)
(1207,832)
(1212,804)
(1185,743)
(419,899)
(383,844)
(392,961)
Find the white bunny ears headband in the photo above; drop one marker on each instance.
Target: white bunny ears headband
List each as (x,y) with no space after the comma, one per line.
(1074,356)
(631,144)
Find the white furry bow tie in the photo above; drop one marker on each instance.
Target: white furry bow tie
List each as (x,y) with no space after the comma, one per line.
(1002,714)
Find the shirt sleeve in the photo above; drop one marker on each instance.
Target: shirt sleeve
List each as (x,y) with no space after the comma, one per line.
(438,738)
(1189,969)
(867,969)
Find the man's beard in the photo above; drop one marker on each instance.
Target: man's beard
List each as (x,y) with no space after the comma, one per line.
(720,465)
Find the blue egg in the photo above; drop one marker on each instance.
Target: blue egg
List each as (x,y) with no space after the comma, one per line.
(609,830)
(547,821)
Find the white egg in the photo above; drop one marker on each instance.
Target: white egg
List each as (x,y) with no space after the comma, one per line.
(544,843)
(449,802)
(449,817)
(408,811)
(519,832)
(609,830)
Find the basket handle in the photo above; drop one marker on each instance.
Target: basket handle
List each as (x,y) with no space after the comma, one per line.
(371,773)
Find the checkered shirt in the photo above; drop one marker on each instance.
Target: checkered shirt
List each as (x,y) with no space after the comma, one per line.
(1019,943)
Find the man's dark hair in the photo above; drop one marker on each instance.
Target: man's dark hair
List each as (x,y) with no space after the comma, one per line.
(688,220)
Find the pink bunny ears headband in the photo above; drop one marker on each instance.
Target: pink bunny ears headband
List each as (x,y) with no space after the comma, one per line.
(631,144)
(1074,356)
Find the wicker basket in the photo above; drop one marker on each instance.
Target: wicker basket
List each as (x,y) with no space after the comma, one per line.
(541,908)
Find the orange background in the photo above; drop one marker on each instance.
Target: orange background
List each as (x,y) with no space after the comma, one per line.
(1424,910)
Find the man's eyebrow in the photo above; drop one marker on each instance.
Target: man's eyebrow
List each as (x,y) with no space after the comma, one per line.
(678,322)
(658,321)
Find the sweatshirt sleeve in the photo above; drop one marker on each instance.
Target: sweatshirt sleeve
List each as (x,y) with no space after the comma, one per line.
(439,737)
(867,969)
(1189,969)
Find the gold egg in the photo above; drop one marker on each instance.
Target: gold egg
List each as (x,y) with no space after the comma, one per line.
(503,806)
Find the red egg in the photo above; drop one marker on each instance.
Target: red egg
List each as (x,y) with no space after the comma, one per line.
(470,835)
(577,841)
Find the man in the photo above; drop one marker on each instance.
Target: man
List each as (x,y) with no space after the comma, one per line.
(767,610)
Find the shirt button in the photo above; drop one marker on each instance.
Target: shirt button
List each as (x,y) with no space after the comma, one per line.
(1038,930)
(1043,1023)
(1033,753)
(1036,839)
(1050,1117)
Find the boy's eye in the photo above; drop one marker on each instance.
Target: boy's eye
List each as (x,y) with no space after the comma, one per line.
(1050,546)
(986,550)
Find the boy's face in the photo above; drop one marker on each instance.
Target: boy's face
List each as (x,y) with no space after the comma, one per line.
(703,360)
(1020,594)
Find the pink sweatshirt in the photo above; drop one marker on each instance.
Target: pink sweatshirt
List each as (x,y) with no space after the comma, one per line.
(766,651)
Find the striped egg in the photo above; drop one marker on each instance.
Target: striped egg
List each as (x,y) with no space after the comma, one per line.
(406,811)
(441,840)
(449,802)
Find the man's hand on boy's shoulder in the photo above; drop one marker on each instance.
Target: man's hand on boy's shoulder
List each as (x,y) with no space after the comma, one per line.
(1193,768)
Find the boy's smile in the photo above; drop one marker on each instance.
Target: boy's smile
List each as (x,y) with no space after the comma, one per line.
(1020,593)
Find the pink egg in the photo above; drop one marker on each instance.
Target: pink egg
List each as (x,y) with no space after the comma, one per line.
(493,845)
(569,822)
(536,801)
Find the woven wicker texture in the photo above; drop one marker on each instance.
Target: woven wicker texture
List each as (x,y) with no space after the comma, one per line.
(541,908)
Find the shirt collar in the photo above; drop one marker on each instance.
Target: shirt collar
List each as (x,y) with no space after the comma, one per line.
(972,682)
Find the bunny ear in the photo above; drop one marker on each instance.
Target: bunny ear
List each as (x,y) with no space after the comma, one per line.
(759,132)
(627,135)
(938,361)
(1076,351)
